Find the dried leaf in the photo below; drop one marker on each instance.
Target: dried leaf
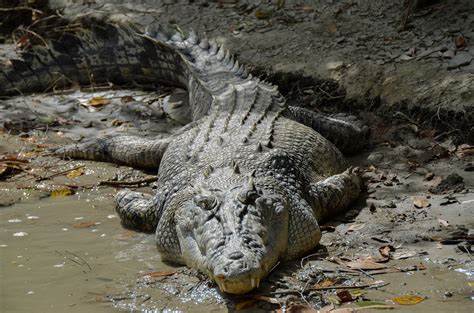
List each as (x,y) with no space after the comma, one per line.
(364,265)
(98,101)
(61,192)
(344,296)
(408,300)
(75,173)
(370,303)
(460,41)
(421,202)
(84,225)
(326,282)
(260,14)
(356,226)
(159,274)
(385,250)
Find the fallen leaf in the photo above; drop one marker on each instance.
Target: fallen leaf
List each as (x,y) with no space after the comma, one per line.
(260,14)
(357,293)
(369,303)
(421,202)
(356,226)
(75,173)
(84,225)
(98,101)
(460,41)
(344,296)
(326,282)
(408,300)
(159,274)
(61,192)
(364,265)
(385,250)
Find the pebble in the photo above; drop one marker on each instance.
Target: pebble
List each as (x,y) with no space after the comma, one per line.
(460,59)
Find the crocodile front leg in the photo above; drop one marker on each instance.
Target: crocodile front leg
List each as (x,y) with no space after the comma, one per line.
(129,150)
(137,210)
(331,196)
(346,132)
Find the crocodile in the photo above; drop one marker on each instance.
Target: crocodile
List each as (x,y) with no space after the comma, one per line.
(240,188)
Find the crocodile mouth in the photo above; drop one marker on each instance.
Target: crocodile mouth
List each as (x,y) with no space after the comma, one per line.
(237,286)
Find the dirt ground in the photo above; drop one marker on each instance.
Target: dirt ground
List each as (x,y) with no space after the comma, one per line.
(410,234)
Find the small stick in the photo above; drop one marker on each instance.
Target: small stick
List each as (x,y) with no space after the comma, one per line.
(61,173)
(128,183)
(21,9)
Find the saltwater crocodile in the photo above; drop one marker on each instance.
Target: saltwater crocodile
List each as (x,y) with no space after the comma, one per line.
(242,186)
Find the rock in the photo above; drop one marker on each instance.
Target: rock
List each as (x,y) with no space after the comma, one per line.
(469,68)
(460,59)
(449,54)
(375,158)
(452,183)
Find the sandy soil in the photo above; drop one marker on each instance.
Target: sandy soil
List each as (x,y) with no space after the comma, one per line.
(412,228)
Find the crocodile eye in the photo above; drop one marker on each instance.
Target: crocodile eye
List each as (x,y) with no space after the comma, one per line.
(205,202)
(248,197)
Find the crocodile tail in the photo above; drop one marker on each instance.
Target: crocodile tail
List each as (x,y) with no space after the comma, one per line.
(88,52)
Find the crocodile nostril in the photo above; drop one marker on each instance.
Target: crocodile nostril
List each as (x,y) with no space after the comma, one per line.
(236,255)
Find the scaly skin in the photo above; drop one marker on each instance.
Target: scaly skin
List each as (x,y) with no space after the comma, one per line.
(242,186)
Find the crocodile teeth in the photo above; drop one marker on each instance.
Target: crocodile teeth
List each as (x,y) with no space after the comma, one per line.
(220,54)
(254,282)
(192,39)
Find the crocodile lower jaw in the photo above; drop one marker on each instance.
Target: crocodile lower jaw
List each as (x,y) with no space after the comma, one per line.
(240,286)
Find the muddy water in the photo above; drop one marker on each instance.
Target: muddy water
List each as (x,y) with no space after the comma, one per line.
(53,262)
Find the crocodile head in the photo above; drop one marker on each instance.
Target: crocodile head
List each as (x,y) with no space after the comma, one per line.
(234,233)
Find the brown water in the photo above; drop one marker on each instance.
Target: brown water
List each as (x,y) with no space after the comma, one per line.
(51,263)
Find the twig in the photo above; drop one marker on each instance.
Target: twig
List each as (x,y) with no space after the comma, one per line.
(32,33)
(332,287)
(128,183)
(21,9)
(80,258)
(61,173)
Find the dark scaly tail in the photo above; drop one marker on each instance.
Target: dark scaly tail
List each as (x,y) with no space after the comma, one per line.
(90,52)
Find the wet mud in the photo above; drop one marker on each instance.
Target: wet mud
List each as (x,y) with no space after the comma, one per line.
(62,246)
